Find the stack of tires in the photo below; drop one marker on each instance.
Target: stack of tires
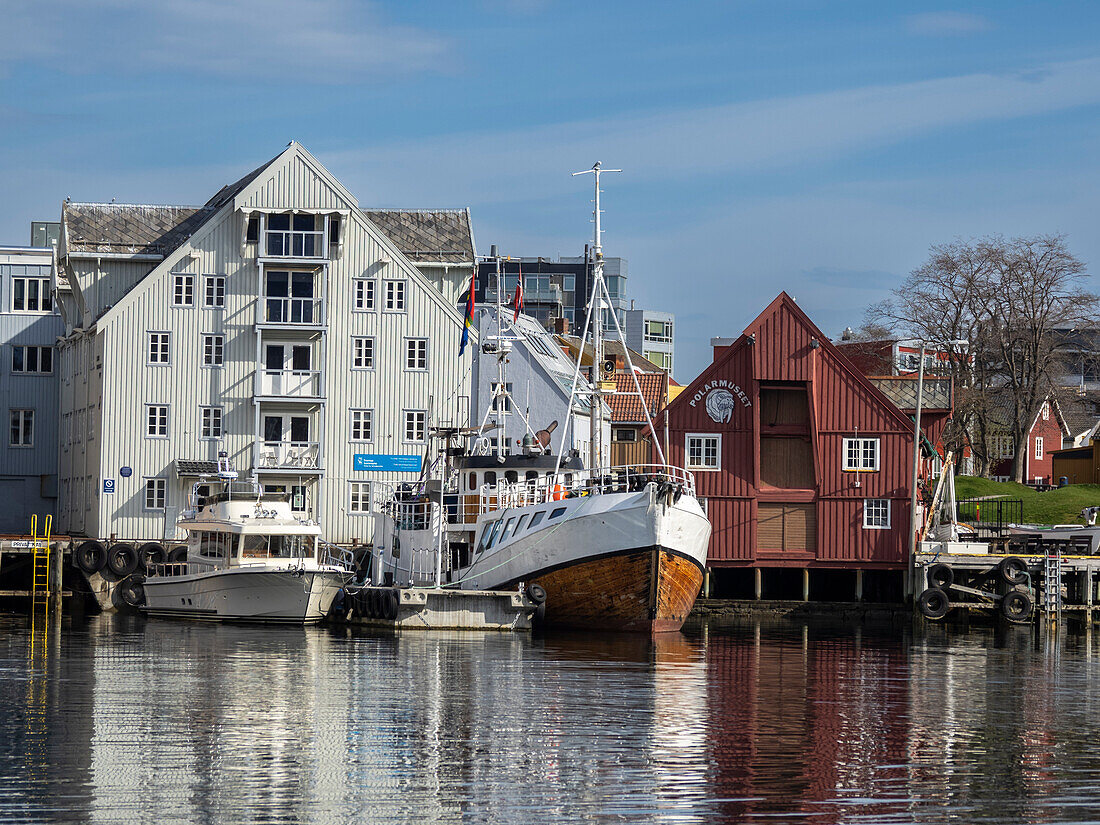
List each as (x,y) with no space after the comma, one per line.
(376,603)
(127,565)
(1016,605)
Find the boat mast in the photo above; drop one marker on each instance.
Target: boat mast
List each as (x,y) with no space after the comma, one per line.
(596,315)
(499,402)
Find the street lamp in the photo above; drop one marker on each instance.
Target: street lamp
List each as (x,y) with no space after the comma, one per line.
(960,343)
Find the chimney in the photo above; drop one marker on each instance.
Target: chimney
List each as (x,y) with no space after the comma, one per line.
(561,326)
(721,345)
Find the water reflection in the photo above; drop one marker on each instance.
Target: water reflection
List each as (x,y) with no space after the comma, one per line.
(134,721)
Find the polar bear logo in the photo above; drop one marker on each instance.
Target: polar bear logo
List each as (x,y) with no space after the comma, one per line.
(720,404)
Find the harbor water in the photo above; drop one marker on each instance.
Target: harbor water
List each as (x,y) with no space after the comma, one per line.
(116,719)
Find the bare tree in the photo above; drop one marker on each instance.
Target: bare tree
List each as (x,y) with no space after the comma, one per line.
(1008,299)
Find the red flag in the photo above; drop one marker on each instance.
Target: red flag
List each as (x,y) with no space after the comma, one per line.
(517,301)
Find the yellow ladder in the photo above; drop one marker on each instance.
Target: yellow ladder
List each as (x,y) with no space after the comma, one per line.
(40,584)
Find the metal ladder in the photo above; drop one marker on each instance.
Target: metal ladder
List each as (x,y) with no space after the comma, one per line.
(40,575)
(1052,579)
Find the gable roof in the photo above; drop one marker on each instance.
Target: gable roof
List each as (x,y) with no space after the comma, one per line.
(129,229)
(428,235)
(626,406)
(1081,408)
(1000,412)
(615,349)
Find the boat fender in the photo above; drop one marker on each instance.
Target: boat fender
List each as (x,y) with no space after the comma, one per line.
(390,603)
(122,559)
(372,604)
(178,554)
(1016,606)
(933,603)
(131,591)
(1013,570)
(940,575)
(91,556)
(536,593)
(298,572)
(151,554)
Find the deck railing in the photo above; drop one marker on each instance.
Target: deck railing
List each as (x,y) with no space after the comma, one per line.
(291,383)
(281,243)
(289,454)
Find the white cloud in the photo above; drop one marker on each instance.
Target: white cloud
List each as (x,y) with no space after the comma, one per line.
(946,23)
(282,41)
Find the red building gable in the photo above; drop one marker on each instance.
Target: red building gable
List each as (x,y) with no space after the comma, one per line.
(1044,435)
(802,461)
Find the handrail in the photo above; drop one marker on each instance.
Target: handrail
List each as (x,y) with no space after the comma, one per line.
(286,310)
(294,243)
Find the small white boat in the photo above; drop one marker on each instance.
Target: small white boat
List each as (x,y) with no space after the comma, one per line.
(249,558)
(1084,538)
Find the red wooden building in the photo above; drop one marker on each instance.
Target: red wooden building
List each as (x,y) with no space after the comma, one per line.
(804,464)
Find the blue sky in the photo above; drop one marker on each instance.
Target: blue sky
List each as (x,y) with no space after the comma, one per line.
(818,147)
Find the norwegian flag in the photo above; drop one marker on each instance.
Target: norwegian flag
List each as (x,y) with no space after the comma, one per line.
(517,301)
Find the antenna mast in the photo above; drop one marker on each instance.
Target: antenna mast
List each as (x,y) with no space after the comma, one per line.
(595,311)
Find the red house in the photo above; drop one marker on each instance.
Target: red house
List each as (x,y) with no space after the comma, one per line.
(1043,436)
(804,464)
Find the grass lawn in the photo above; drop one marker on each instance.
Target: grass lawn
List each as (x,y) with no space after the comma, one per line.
(1060,506)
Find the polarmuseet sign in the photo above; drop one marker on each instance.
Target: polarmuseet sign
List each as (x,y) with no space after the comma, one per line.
(720,401)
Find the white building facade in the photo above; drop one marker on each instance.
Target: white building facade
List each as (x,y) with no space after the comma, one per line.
(277,324)
(651,333)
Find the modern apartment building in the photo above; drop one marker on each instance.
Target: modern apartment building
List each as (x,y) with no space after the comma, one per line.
(277,323)
(29,329)
(651,333)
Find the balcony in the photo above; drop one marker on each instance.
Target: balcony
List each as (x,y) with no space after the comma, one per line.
(290,383)
(293,243)
(289,455)
(541,295)
(301,312)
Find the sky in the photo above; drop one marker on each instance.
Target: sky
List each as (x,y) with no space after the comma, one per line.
(814,146)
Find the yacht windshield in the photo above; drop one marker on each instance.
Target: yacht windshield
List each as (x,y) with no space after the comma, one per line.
(276,547)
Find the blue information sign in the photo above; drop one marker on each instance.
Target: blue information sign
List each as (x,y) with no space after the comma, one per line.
(125,472)
(108,485)
(387,463)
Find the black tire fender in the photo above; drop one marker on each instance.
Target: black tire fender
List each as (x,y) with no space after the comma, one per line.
(91,556)
(151,553)
(940,575)
(1013,570)
(933,603)
(536,593)
(132,591)
(391,602)
(178,554)
(122,559)
(1017,606)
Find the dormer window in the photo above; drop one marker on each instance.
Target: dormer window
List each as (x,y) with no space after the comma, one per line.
(294,236)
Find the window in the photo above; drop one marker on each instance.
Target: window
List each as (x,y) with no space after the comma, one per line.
(21,433)
(362,356)
(213,293)
(661,359)
(364,295)
(362,425)
(157,350)
(416,353)
(252,229)
(183,290)
(568,283)
(1046,412)
(556,512)
(658,331)
(876,513)
(395,296)
(213,350)
(1004,446)
(1039,448)
(507,398)
(536,518)
(358,496)
(861,455)
(156,491)
(625,435)
(703,452)
(415,421)
(211,422)
(31,295)
(156,420)
(31,360)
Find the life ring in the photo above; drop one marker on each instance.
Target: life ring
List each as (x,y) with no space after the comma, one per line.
(91,556)
(151,554)
(1013,570)
(390,603)
(558,493)
(536,593)
(933,603)
(940,575)
(178,554)
(1016,606)
(122,559)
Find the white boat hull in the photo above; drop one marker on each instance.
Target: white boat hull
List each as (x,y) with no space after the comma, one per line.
(245,594)
(1061,532)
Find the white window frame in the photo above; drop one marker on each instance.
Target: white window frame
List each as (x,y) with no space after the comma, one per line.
(163,347)
(44,289)
(24,415)
(216,344)
(703,468)
(216,417)
(618,431)
(359,498)
(871,513)
(159,488)
(211,284)
(861,464)
(1004,446)
(358,352)
(364,297)
(416,354)
(153,425)
(408,418)
(1038,448)
(395,294)
(183,289)
(26,351)
(365,421)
